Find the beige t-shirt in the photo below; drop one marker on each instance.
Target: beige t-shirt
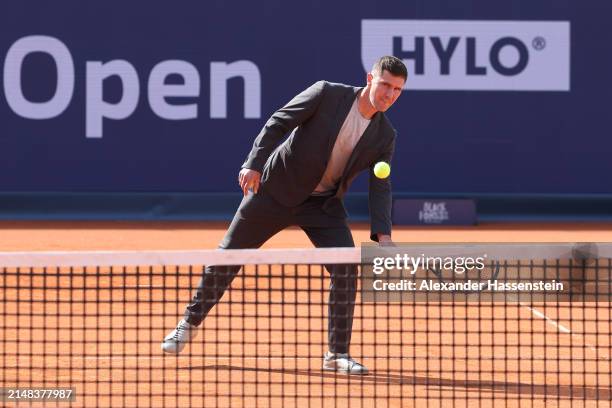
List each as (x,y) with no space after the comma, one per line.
(350,133)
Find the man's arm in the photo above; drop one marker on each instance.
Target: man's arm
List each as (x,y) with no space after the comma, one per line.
(287,118)
(380,200)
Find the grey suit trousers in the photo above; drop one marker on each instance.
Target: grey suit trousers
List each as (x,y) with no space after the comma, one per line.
(258,218)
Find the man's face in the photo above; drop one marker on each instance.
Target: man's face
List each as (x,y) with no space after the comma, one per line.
(385,88)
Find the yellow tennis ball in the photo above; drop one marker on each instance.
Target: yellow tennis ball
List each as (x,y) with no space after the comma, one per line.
(382,170)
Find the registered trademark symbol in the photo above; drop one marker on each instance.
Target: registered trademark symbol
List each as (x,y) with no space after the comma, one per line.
(539,43)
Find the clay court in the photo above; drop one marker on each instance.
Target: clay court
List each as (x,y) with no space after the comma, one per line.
(99,333)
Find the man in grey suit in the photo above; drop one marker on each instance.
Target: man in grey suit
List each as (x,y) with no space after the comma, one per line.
(337,131)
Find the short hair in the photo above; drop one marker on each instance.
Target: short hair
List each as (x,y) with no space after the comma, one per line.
(394,65)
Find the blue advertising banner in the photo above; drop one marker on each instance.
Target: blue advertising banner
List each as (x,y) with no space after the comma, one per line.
(434,212)
(503,97)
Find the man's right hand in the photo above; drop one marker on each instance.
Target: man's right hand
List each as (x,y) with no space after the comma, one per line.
(249,180)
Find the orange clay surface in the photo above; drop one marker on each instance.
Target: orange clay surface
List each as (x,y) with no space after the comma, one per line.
(98,331)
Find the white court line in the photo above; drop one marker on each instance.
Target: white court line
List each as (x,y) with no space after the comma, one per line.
(560,327)
(552,322)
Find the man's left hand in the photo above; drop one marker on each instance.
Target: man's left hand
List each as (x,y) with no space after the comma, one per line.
(385,240)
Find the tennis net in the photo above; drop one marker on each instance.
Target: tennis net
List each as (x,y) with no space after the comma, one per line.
(85,328)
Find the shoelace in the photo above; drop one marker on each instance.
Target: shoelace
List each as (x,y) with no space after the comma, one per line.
(179,331)
(352,363)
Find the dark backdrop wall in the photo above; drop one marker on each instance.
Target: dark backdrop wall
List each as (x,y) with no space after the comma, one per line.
(110,100)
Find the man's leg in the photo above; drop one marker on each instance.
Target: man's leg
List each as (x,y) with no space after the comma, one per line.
(258,218)
(342,288)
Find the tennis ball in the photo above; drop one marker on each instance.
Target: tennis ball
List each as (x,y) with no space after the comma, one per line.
(382,170)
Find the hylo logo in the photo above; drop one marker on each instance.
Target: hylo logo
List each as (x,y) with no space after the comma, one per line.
(474,55)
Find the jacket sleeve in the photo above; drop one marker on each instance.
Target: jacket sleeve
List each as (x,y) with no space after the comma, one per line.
(287,118)
(380,197)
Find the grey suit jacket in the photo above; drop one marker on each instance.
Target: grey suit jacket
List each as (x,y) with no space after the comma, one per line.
(292,169)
